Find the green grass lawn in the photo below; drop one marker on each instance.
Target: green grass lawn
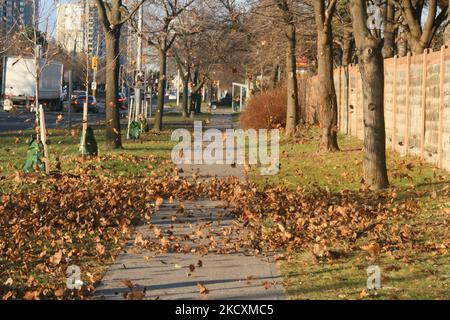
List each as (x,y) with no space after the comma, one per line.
(143,156)
(176,118)
(408,273)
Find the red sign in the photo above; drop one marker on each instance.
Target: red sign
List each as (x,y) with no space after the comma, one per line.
(302,62)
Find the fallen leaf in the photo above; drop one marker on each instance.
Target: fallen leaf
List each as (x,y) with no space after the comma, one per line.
(202,288)
(56,258)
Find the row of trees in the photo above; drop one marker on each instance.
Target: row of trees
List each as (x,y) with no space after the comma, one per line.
(209,39)
(379,30)
(195,35)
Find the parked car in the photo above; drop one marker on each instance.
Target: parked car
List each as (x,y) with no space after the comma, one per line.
(76,93)
(78,103)
(224,102)
(122,102)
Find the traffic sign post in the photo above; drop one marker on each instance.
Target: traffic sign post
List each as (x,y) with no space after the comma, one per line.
(94,63)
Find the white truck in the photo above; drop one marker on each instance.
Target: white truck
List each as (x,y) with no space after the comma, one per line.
(18,83)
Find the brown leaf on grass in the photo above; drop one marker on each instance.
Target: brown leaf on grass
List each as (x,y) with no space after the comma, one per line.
(31,295)
(56,258)
(100,249)
(202,288)
(8,295)
(59,293)
(373,249)
(363,294)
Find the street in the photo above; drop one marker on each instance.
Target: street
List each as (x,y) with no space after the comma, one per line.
(24,120)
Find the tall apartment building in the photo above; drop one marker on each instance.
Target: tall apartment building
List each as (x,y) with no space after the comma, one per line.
(78,28)
(15,14)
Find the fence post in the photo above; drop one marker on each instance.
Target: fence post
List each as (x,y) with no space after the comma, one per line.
(394,105)
(408,102)
(423,103)
(441,105)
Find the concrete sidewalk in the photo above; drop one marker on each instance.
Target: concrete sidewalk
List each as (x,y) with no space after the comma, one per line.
(227,271)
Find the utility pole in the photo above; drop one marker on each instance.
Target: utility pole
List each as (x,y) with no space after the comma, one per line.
(178,87)
(85,106)
(138,81)
(94,75)
(70,91)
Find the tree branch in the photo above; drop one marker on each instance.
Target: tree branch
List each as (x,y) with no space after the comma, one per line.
(131,13)
(329,12)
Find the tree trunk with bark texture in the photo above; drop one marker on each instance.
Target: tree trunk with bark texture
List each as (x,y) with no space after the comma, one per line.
(185,99)
(370,62)
(389,30)
(196,97)
(113,135)
(447,30)
(420,33)
(292,112)
(402,45)
(327,94)
(161,91)
(347,47)
(275,76)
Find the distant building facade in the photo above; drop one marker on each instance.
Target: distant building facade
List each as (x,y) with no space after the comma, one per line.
(16,14)
(78,34)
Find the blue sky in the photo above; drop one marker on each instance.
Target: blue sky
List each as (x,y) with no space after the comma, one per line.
(48,12)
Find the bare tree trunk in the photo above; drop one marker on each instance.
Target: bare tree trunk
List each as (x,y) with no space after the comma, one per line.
(420,33)
(113,135)
(161,90)
(327,94)
(292,111)
(402,45)
(389,30)
(372,74)
(198,101)
(275,76)
(347,47)
(447,30)
(185,100)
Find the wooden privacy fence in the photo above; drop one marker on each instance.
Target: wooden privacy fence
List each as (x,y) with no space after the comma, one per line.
(416,104)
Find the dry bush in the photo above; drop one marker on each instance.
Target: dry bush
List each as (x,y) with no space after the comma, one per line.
(266,110)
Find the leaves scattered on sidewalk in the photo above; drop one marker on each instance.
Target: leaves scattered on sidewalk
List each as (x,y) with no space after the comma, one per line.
(85,219)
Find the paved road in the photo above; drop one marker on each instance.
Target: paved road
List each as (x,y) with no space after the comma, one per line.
(24,120)
(232,276)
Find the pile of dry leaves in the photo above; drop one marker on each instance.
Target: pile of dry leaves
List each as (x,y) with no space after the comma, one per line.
(48,224)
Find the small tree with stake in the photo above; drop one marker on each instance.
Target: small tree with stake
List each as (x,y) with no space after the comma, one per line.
(113,15)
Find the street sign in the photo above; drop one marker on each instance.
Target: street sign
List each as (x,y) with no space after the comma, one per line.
(94,62)
(302,62)
(94,85)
